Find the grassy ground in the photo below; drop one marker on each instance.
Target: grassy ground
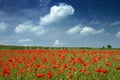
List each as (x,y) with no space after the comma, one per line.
(40,47)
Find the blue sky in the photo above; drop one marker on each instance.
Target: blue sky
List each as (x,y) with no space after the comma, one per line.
(84,23)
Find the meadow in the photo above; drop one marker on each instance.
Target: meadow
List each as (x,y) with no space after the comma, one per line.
(59,64)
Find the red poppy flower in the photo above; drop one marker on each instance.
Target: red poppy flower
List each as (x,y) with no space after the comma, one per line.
(5,71)
(107,63)
(50,74)
(82,70)
(117,68)
(59,71)
(105,71)
(40,75)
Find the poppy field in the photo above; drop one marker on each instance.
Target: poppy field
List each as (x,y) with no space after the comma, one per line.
(61,64)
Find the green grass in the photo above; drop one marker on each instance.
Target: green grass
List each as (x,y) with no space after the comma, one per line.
(6,47)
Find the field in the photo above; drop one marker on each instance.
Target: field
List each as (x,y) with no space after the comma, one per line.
(60,64)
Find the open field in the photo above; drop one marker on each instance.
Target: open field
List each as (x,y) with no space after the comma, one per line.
(62,64)
(8,47)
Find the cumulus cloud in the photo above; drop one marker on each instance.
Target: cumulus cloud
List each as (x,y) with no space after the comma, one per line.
(57,12)
(3,26)
(115,23)
(118,34)
(74,30)
(84,31)
(25,40)
(28,27)
(39,30)
(24,27)
(90,31)
(56,43)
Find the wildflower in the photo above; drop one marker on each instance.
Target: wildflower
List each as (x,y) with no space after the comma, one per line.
(70,77)
(84,64)
(100,70)
(107,63)
(64,66)
(39,65)
(88,72)
(117,68)
(72,69)
(68,73)
(6,71)
(44,60)
(14,66)
(71,60)
(55,66)
(40,75)
(59,71)
(31,64)
(49,74)
(1,62)
(79,60)
(82,70)
(105,71)
(10,60)
(15,59)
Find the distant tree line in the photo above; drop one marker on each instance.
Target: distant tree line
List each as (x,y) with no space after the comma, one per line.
(108,46)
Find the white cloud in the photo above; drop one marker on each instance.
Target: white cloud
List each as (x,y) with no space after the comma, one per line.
(90,31)
(29,27)
(3,26)
(25,40)
(57,12)
(118,34)
(39,30)
(24,27)
(74,30)
(115,23)
(25,45)
(84,31)
(56,43)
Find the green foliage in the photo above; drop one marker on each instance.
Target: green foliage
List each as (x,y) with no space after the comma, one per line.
(109,46)
(8,47)
(103,47)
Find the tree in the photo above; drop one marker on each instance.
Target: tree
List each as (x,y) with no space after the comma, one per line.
(109,46)
(103,47)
